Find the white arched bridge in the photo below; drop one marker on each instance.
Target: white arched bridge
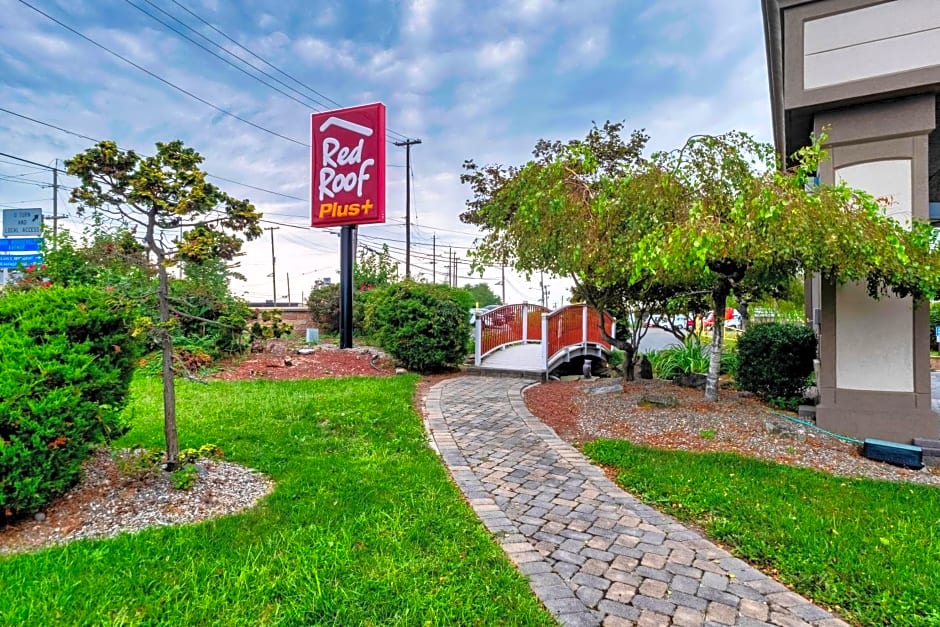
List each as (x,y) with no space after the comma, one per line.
(533,339)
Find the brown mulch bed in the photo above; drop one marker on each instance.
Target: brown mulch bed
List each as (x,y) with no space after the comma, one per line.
(280,360)
(580,411)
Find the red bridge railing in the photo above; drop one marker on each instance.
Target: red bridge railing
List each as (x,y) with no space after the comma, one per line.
(509,324)
(557,331)
(574,325)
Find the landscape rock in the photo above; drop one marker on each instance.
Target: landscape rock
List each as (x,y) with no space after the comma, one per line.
(781,429)
(691,380)
(658,400)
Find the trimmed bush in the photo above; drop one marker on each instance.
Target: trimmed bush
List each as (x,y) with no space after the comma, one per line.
(65,368)
(422,326)
(775,359)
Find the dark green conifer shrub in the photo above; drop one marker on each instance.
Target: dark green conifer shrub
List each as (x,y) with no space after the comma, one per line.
(65,366)
(422,326)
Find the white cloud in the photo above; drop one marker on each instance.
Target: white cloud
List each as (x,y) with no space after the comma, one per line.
(472,80)
(418,20)
(585,50)
(506,56)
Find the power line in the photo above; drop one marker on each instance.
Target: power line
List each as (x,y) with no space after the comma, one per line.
(216,55)
(58,128)
(268,63)
(161,79)
(260,189)
(13,179)
(92,139)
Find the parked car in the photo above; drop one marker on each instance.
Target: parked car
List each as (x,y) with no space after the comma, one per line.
(733,319)
(498,319)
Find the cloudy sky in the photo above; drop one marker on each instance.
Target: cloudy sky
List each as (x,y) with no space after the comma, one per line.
(479,80)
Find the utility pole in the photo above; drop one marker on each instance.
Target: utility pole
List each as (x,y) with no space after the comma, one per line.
(450,266)
(288,289)
(502,267)
(55,202)
(408,143)
(273,261)
(434,258)
(55,189)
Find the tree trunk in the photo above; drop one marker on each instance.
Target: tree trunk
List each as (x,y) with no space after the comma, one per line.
(743,308)
(629,363)
(720,298)
(169,389)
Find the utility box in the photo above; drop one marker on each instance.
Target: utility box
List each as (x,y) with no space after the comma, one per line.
(893,453)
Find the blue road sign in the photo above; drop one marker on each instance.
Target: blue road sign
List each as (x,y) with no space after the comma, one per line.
(20,245)
(14,261)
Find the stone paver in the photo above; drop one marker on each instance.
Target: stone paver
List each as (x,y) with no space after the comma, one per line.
(592,553)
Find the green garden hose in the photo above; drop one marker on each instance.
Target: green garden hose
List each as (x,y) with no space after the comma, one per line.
(811,425)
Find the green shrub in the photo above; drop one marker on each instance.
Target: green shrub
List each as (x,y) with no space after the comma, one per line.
(208,316)
(774,360)
(730,360)
(421,325)
(686,358)
(271,325)
(934,323)
(65,368)
(324,308)
(615,358)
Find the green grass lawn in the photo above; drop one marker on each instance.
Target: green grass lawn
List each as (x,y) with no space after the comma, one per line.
(869,549)
(364,526)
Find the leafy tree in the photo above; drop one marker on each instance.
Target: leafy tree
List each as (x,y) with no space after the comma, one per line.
(100,258)
(740,221)
(374,269)
(180,216)
(715,216)
(575,211)
(323,303)
(483,295)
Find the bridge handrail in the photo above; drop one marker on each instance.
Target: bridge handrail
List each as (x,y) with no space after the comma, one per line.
(505,325)
(571,325)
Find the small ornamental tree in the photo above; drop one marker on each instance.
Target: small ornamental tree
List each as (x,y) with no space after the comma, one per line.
(177,214)
(740,221)
(576,210)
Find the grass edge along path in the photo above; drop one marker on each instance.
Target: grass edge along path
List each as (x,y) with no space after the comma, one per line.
(363,527)
(868,549)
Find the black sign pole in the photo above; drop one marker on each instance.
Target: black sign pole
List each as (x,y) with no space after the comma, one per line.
(347,253)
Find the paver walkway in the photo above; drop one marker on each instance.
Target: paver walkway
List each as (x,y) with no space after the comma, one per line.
(593,554)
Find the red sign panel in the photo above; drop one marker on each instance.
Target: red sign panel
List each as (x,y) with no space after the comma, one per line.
(348,166)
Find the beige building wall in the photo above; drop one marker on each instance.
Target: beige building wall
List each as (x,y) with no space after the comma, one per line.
(869,42)
(874,350)
(869,72)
